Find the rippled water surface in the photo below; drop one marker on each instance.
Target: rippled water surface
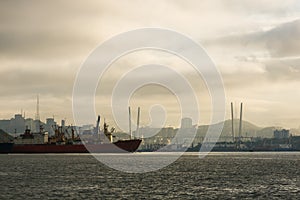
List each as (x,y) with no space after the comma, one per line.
(217,176)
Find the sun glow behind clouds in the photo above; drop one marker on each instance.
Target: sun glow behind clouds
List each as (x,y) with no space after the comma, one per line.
(255,44)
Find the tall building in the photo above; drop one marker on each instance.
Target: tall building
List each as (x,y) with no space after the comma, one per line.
(49,126)
(17,124)
(186,123)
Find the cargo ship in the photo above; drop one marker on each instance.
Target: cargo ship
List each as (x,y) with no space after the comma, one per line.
(121,146)
(96,142)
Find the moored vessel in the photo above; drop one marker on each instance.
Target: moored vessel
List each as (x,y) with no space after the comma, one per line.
(121,146)
(96,142)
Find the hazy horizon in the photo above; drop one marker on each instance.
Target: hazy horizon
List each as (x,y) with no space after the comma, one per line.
(254,44)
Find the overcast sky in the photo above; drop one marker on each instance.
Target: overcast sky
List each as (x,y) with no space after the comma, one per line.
(254,43)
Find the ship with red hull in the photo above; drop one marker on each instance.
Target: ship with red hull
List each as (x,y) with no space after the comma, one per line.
(60,143)
(121,146)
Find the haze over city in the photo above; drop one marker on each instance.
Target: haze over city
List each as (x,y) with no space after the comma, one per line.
(144,99)
(254,44)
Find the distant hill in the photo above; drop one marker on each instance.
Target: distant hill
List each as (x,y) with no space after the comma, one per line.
(5,137)
(248,129)
(266,132)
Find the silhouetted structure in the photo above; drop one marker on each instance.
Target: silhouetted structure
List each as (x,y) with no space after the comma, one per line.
(284,133)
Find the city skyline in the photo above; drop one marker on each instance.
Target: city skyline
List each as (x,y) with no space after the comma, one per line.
(254,44)
(183,123)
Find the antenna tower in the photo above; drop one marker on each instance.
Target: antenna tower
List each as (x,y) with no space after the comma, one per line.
(37,115)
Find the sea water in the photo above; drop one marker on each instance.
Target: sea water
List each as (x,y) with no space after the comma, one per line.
(273,175)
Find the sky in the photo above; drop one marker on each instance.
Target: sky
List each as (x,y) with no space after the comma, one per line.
(255,44)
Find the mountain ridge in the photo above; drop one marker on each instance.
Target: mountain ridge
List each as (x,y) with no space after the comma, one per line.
(248,129)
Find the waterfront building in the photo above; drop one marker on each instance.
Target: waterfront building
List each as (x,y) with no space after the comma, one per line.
(283,133)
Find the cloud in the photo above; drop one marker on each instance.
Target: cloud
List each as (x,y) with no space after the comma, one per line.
(22,83)
(262,7)
(280,41)
(255,44)
(284,40)
(48,31)
(285,70)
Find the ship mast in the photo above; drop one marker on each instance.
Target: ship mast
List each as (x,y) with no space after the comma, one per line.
(97,125)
